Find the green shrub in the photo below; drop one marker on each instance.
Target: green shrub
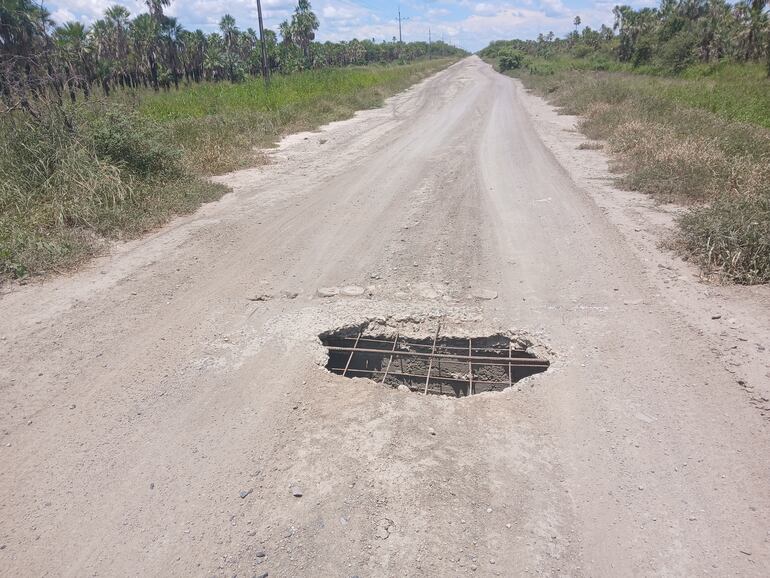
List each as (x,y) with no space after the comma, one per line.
(582,51)
(679,53)
(130,141)
(510,59)
(73,173)
(643,52)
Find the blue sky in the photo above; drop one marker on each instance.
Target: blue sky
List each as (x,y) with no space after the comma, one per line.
(468,23)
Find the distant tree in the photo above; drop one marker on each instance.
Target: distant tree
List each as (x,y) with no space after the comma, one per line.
(752,27)
(713,30)
(304,23)
(156,8)
(71,39)
(231,37)
(144,36)
(767,49)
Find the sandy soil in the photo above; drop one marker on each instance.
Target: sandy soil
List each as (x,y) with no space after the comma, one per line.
(144,395)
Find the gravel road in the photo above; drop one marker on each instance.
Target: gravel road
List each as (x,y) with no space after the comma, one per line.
(161,409)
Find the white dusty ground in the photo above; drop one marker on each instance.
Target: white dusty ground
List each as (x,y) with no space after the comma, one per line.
(142,395)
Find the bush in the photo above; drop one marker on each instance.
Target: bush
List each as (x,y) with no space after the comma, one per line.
(582,51)
(71,174)
(643,52)
(679,52)
(510,59)
(600,63)
(130,141)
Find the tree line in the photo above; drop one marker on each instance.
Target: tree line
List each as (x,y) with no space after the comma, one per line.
(677,34)
(39,58)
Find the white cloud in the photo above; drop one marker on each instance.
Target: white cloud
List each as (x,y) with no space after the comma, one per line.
(486,8)
(342,11)
(87,11)
(553,7)
(436,12)
(63,15)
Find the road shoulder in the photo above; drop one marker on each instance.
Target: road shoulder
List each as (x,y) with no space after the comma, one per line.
(733,317)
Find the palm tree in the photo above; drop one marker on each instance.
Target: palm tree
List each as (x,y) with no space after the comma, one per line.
(767,49)
(26,48)
(144,35)
(156,8)
(153,34)
(171,45)
(118,24)
(195,51)
(214,59)
(230,36)
(304,23)
(753,22)
(70,39)
(284,29)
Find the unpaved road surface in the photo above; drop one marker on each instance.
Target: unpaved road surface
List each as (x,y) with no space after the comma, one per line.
(141,397)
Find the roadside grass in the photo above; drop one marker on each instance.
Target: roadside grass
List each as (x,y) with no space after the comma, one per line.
(81,174)
(701,139)
(219,126)
(739,92)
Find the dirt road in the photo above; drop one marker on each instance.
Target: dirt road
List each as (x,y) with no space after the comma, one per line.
(142,397)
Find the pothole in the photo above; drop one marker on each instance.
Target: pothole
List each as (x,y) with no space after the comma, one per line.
(437,364)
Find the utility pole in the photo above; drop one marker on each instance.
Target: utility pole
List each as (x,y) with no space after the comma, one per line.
(429,54)
(265,64)
(399,25)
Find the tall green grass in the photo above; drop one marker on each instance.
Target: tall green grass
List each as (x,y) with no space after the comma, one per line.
(732,91)
(304,87)
(80,173)
(701,139)
(220,125)
(76,175)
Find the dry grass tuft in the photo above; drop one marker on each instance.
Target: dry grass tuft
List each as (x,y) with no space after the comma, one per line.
(590,146)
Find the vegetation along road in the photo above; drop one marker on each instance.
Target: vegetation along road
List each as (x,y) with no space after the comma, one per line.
(165,409)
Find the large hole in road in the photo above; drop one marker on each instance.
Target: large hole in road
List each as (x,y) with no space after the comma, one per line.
(441,365)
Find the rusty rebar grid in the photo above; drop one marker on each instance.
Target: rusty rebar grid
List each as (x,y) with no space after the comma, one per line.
(432,355)
(475,359)
(390,359)
(506,358)
(352,353)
